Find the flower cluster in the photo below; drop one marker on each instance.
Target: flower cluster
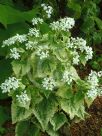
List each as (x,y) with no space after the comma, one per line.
(75,43)
(75,58)
(10,84)
(35,21)
(67,77)
(42,52)
(89,53)
(23,98)
(30,45)
(64,24)
(14,53)
(79,44)
(94,83)
(48,9)
(14,39)
(49,83)
(33,32)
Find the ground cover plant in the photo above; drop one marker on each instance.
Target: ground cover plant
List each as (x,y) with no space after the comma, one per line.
(43,78)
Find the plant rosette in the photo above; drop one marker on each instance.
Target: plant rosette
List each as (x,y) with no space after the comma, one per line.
(45,87)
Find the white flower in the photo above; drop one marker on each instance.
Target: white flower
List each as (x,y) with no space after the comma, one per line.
(80,45)
(49,83)
(77,43)
(67,77)
(75,58)
(23,98)
(100,74)
(14,53)
(30,45)
(48,9)
(92,93)
(89,53)
(33,32)
(100,91)
(93,80)
(14,39)
(10,84)
(8,42)
(63,24)
(35,21)
(42,52)
(20,38)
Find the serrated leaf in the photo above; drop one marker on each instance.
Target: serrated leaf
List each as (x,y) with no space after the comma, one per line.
(45,110)
(67,106)
(50,131)
(19,114)
(58,120)
(73,109)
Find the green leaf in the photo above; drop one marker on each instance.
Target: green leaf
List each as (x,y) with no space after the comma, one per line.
(19,114)
(28,15)
(26,128)
(61,54)
(82,59)
(76,9)
(88,101)
(73,108)
(74,73)
(58,120)
(25,67)
(45,110)
(16,66)
(88,25)
(67,106)
(98,22)
(36,97)
(21,68)
(46,67)
(9,15)
(44,28)
(65,92)
(97,37)
(50,131)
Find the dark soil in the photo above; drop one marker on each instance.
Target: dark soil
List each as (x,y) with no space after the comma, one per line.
(93,125)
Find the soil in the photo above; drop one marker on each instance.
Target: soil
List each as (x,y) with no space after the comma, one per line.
(93,125)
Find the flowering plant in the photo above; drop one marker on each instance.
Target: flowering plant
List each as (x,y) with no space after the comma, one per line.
(45,87)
